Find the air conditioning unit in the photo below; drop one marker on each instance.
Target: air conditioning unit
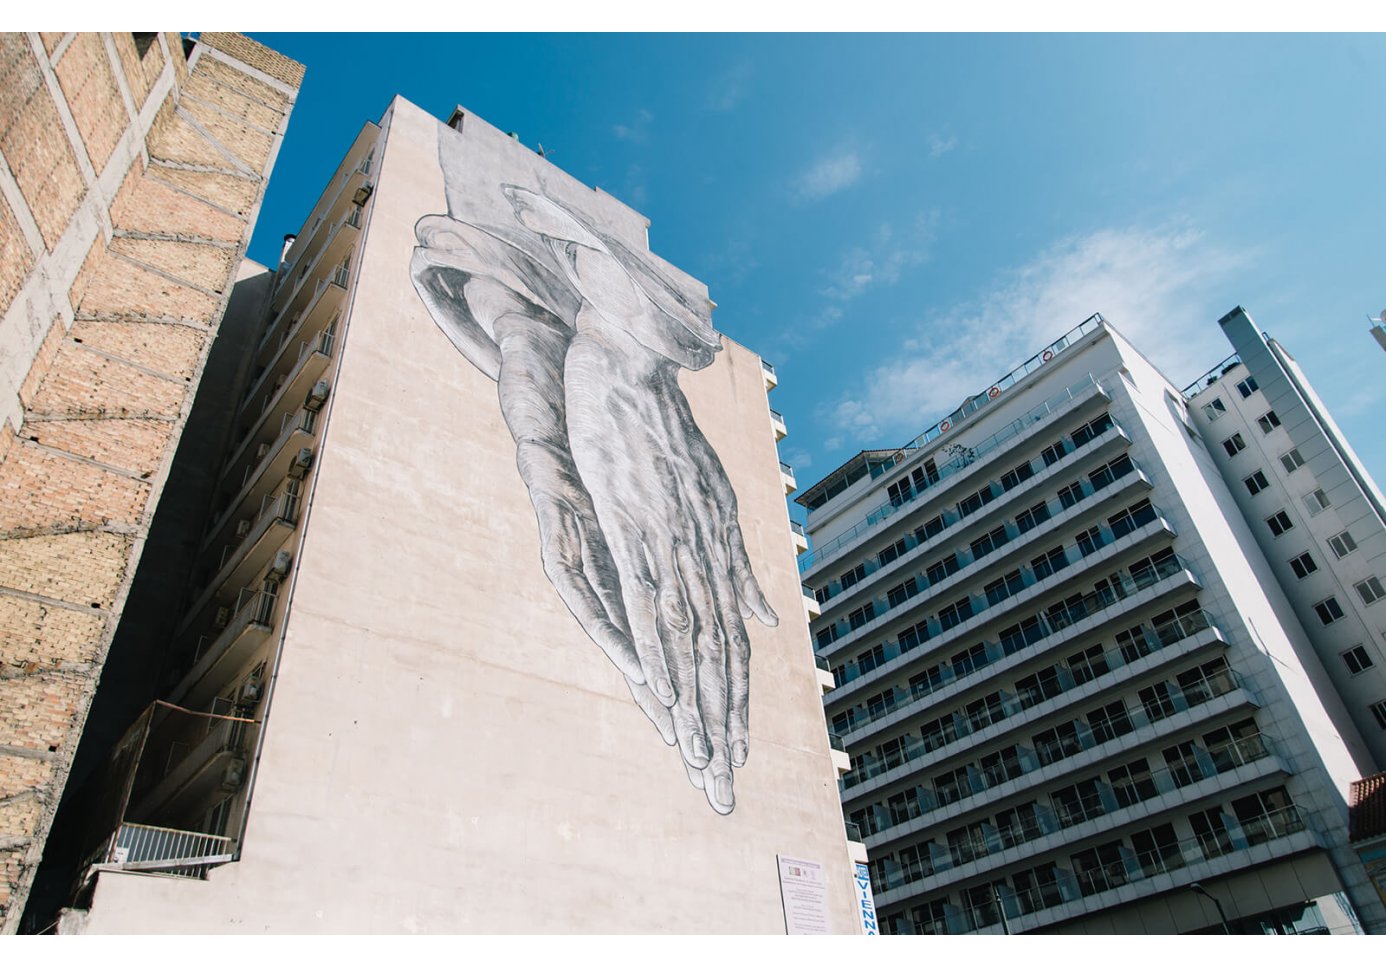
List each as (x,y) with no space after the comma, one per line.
(280,566)
(233,776)
(223,618)
(317,396)
(242,527)
(261,451)
(249,694)
(302,461)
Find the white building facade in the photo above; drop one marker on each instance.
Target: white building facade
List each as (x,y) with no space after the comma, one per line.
(1074,695)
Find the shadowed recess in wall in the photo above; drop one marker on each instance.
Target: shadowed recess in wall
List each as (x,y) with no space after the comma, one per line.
(637,519)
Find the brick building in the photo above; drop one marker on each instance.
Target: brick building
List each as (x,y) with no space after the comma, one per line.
(133,169)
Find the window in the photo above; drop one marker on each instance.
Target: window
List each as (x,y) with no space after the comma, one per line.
(1256,483)
(1291,461)
(1087,665)
(1357,659)
(870,659)
(889,554)
(852,577)
(1303,566)
(1247,387)
(1234,445)
(1070,495)
(1109,472)
(1129,519)
(1317,501)
(1036,688)
(827,635)
(1093,428)
(900,492)
(973,502)
(989,542)
(1215,409)
(1268,421)
(1013,477)
(822,594)
(1379,711)
(1342,544)
(1132,783)
(902,592)
(1279,523)
(951,615)
(860,616)
(1370,590)
(929,528)
(1090,540)
(941,569)
(1049,562)
(1328,610)
(1052,454)
(1004,587)
(913,637)
(1032,517)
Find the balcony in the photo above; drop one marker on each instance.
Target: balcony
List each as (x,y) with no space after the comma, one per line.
(1077,745)
(1139,875)
(841,760)
(163,850)
(1214,771)
(856,850)
(796,531)
(1183,637)
(787,478)
(307,251)
(935,634)
(990,558)
(825,675)
(964,470)
(274,354)
(768,372)
(330,265)
(777,422)
(215,758)
(967,464)
(220,653)
(260,537)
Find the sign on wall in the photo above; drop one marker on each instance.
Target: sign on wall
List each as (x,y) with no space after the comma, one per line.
(804,892)
(866,904)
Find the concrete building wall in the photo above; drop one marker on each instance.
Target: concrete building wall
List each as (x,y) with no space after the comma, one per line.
(445,747)
(128,191)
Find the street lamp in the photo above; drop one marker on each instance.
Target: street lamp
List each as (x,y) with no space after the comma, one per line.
(1198,888)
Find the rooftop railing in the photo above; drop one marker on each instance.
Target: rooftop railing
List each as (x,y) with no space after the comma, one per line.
(1211,377)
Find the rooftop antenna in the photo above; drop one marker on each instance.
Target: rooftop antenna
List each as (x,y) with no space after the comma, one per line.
(543,153)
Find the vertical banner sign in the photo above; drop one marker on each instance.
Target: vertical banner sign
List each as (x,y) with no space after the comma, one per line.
(866,904)
(804,892)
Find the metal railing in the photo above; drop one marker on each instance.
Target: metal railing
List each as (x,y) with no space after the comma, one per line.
(1211,377)
(1070,738)
(786,469)
(253,607)
(952,467)
(1058,679)
(185,853)
(280,506)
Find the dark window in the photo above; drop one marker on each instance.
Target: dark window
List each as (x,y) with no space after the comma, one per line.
(1256,483)
(827,635)
(1357,659)
(1053,453)
(1013,477)
(900,492)
(852,577)
(951,615)
(1214,409)
(1093,428)
(929,528)
(891,552)
(989,542)
(1291,461)
(1032,517)
(1268,421)
(860,616)
(1342,544)
(902,592)
(1328,610)
(1090,540)
(1303,565)
(1279,523)
(1070,494)
(1234,445)
(941,569)
(1371,590)
(1247,387)
(1049,562)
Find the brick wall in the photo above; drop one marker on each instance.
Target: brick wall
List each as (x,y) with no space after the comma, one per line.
(127,195)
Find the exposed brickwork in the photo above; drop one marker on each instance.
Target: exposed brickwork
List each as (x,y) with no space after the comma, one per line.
(15,258)
(249,86)
(150,205)
(32,140)
(256,55)
(36,635)
(206,266)
(93,97)
(235,193)
(51,39)
(167,348)
(118,287)
(104,399)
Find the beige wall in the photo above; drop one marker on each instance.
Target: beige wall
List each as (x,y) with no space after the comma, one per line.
(446,749)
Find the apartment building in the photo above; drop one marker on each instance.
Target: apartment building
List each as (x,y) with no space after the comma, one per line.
(415,650)
(1075,697)
(1316,513)
(133,169)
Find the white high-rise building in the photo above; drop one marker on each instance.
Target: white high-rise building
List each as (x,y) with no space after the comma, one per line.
(1075,695)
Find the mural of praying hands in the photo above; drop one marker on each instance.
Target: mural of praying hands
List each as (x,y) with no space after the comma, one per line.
(637,520)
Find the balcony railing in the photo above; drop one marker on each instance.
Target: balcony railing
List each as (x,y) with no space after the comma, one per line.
(1013,539)
(1057,679)
(1042,821)
(1077,736)
(1122,583)
(1211,377)
(253,607)
(956,465)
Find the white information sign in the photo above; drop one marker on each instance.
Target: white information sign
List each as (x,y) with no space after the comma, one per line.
(866,904)
(804,891)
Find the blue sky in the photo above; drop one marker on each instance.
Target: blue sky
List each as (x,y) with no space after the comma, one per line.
(893,221)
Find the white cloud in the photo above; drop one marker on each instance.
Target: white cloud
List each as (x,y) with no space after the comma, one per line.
(1159,287)
(941,146)
(830,174)
(730,88)
(638,130)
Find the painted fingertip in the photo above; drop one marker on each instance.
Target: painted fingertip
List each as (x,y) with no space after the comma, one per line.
(723,800)
(664,691)
(700,752)
(738,753)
